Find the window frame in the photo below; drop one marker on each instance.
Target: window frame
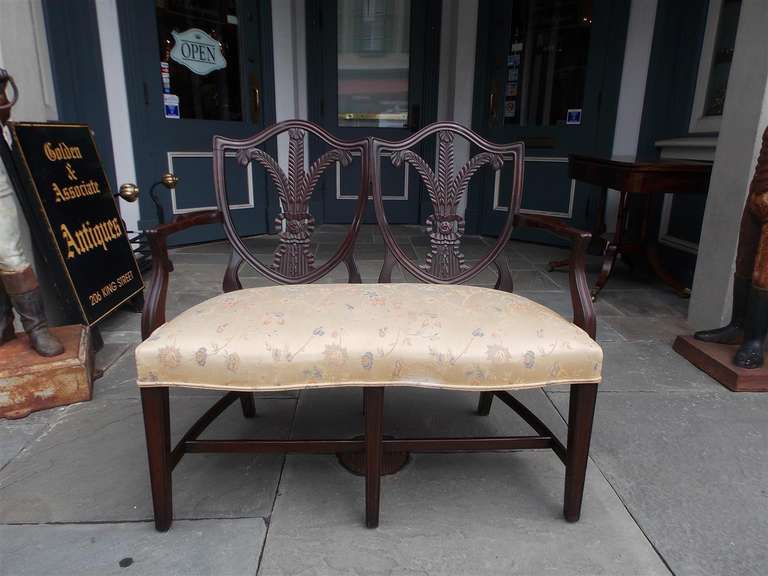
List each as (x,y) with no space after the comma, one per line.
(699,122)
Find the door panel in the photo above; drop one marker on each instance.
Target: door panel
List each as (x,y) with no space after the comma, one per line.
(199,69)
(374,62)
(548,75)
(198,167)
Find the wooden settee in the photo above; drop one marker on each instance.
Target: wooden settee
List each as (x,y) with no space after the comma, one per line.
(298,334)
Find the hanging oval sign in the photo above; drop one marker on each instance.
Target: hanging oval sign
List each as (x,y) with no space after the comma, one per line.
(197,51)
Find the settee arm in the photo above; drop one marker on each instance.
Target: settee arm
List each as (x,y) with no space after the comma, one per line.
(153,313)
(581,299)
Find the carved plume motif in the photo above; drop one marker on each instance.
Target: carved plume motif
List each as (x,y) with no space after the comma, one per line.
(294,224)
(445,227)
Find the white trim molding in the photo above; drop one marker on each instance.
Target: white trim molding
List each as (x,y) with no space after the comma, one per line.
(699,148)
(174,206)
(498,207)
(668,239)
(340,196)
(117,105)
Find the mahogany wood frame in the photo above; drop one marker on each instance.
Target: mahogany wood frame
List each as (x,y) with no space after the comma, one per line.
(445,267)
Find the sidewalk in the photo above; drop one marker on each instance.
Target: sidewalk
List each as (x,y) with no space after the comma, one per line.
(677,482)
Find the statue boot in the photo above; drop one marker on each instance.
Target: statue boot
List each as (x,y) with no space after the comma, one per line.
(732,333)
(26,298)
(750,354)
(7,331)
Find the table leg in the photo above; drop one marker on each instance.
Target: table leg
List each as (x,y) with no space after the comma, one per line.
(652,255)
(651,249)
(609,261)
(612,247)
(598,229)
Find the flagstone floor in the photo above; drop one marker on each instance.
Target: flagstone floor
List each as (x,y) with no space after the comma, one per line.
(677,483)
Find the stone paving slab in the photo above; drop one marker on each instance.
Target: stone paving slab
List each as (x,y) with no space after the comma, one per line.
(657,304)
(16,434)
(560,302)
(692,470)
(91,466)
(451,514)
(190,548)
(651,367)
(110,353)
(410,412)
(648,328)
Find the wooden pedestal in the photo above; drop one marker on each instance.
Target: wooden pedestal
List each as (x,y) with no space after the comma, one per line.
(716,360)
(30,382)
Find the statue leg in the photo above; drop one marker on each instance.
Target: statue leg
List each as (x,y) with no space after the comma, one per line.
(7,331)
(749,238)
(19,281)
(750,354)
(25,295)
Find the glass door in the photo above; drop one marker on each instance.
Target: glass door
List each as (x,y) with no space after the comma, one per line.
(551,78)
(199,66)
(374,67)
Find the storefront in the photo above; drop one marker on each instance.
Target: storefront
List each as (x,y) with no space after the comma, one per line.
(192,69)
(157,78)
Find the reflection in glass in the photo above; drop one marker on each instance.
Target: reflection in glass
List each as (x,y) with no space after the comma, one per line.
(373,63)
(212,96)
(546,61)
(721,57)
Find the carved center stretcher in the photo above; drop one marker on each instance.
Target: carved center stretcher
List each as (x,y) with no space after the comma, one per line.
(298,335)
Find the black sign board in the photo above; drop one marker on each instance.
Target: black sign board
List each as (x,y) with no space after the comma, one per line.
(75,204)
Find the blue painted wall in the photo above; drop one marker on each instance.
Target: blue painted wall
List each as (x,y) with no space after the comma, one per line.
(677,40)
(78,76)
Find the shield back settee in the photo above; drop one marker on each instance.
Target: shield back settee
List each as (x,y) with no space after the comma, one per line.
(436,332)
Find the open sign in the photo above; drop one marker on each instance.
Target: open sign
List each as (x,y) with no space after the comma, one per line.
(198,51)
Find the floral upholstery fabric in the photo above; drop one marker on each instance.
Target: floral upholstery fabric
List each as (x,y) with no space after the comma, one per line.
(326,335)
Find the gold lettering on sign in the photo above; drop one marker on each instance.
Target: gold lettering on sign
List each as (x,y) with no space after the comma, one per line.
(89,237)
(62,194)
(61,151)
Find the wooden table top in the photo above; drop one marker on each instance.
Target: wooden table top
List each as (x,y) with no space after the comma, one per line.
(627,174)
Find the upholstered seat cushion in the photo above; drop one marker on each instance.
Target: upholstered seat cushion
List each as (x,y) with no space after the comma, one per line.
(326,335)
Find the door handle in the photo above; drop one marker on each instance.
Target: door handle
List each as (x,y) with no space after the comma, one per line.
(255,99)
(492,107)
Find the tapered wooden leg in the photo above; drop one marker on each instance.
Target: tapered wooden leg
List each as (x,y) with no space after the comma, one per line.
(580,414)
(609,262)
(484,404)
(157,426)
(374,416)
(248,404)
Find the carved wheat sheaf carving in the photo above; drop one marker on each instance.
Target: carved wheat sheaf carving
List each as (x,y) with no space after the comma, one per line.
(445,189)
(294,224)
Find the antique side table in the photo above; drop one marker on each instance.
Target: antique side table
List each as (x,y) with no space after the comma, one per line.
(628,176)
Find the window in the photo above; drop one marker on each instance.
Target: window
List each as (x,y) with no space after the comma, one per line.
(546,61)
(715,65)
(373,62)
(199,59)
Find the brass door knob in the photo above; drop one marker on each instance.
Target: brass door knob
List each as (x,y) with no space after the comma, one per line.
(129,192)
(169,180)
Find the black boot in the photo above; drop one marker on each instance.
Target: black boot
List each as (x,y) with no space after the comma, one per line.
(7,331)
(733,333)
(29,305)
(750,354)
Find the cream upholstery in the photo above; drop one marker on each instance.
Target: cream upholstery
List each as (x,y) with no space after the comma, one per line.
(326,335)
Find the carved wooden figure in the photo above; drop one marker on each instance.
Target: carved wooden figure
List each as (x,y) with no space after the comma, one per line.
(19,288)
(749,320)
